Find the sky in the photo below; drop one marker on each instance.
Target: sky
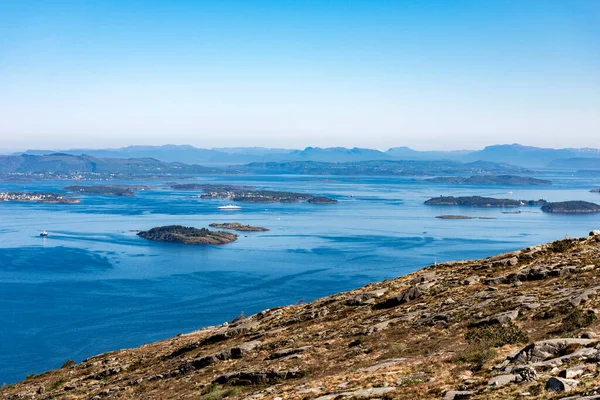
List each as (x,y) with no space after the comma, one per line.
(295,73)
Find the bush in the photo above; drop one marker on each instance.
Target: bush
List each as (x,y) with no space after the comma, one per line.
(577,319)
(496,335)
(214,392)
(560,246)
(483,339)
(476,355)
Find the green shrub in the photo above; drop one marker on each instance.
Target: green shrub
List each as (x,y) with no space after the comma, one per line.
(476,355)
(577,319)
(215,392)
(496,335)
(560,246)
(483,339)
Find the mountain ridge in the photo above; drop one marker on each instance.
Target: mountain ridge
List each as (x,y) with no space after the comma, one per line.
(525,156)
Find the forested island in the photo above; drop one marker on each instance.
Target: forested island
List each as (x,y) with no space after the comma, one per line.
(236,226)
(490,180)
(249,194)
(187,235)
(478,201)
(113,190)
(571,207)
(37,197)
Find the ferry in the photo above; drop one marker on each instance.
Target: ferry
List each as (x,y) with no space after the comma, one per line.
(44,234)
(229,207)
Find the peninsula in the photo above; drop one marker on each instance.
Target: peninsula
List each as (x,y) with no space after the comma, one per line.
(187,235)
(494,328)
(236,226)
(490,180)
(478,201)
(571,207)
(114,190)
(37,197)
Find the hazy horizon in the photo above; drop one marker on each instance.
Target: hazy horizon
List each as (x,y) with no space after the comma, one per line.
(283,74)
(17,150)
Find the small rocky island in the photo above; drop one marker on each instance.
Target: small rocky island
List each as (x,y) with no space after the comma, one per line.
(461,217)
(249,194)
(597,190)
(111,190)
(478,201)
(571,207)
(236,226)
(187,235)
(37,197)
(490,180)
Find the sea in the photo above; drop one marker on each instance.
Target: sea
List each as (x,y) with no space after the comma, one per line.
(94,286)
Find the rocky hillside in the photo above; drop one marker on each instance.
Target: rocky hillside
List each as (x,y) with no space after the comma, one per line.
(517,325)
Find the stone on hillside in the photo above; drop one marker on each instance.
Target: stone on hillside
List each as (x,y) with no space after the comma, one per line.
(589,335)
(288,352)
(380,326)
(561,384)
(457,394)
(244,378)
(471,280)
(500,318)
(245,348)
(503,380)
(426,277)
(547,349)
(365,297)
(528,374)
(409,294)
(583,297)
(573,372)
(371,393)
(595,233)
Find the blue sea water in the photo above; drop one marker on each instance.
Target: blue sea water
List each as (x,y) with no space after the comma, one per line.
(94,286)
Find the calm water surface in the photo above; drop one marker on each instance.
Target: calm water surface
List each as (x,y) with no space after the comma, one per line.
(94,286)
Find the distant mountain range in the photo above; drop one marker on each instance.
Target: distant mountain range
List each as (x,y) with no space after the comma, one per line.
(66,166)
(524,156)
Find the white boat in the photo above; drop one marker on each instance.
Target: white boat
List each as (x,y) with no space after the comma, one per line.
(229,207)
(44,234)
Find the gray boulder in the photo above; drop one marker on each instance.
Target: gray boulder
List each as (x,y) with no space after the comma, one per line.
(503,380)
(546,349)
(573,372)
(409,294)
(457,394)
(561,384)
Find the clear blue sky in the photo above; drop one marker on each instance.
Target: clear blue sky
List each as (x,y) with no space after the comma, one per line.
(427,74)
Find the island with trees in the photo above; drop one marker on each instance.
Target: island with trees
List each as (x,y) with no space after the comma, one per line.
(571,207)
(111,190)
(187,235)
(236,226)
(249,194)
(490,180)
(478,201)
